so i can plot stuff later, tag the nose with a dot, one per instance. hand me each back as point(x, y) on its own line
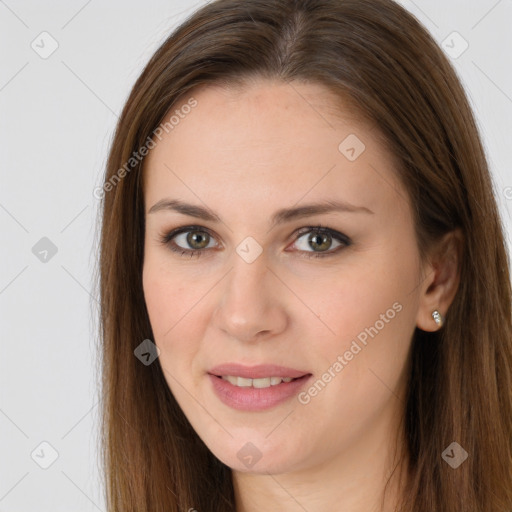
point(252, 301)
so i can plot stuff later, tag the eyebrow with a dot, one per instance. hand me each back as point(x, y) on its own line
point(279, 217)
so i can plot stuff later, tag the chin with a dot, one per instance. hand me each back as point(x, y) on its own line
point(246, 457)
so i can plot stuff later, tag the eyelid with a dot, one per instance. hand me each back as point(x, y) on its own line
point(319, 228)
point(187, 228)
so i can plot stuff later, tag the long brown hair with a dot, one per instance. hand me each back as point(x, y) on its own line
point(378, 56)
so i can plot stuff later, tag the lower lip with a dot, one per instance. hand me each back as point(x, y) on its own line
point(256, 399)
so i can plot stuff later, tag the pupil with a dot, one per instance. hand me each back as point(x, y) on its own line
point(321, 239)
point(195, 238)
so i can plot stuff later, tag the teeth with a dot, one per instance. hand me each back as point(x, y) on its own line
point(265, 382)
point(244, 383)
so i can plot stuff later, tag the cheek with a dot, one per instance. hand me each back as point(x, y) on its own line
point(161, 298)
point(370, 310)
point(169, 302)
point(355, 298)
point(168, 292)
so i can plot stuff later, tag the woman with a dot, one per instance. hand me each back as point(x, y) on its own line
point(304, 284)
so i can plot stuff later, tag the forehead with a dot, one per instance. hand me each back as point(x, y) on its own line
point(270, 142)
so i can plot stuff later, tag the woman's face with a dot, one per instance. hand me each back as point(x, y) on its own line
point(257, 285)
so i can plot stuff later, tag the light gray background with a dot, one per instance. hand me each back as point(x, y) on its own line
point(57, 117)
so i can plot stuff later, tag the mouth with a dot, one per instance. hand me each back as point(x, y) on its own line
point(256, 388)
point(260, 372)
point(261, 383)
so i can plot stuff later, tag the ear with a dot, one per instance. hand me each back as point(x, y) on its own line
point(441, 281)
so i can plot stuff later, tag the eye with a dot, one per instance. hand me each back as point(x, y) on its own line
point(194, 236)
point(320, 239)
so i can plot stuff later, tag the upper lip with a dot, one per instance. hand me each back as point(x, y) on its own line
point(256, 372)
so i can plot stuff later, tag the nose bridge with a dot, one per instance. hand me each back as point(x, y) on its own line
point(246, 283)
point(249, 303)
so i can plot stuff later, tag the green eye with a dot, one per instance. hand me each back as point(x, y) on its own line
point(322, 238)
point(198, 239)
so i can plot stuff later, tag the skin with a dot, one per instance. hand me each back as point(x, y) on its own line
point(245, 153)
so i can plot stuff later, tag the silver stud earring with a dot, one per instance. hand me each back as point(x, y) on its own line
point(438, 319)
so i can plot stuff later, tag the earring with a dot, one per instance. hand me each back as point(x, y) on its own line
point(438, 319)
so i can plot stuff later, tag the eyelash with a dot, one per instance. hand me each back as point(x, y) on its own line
point(166, 239)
